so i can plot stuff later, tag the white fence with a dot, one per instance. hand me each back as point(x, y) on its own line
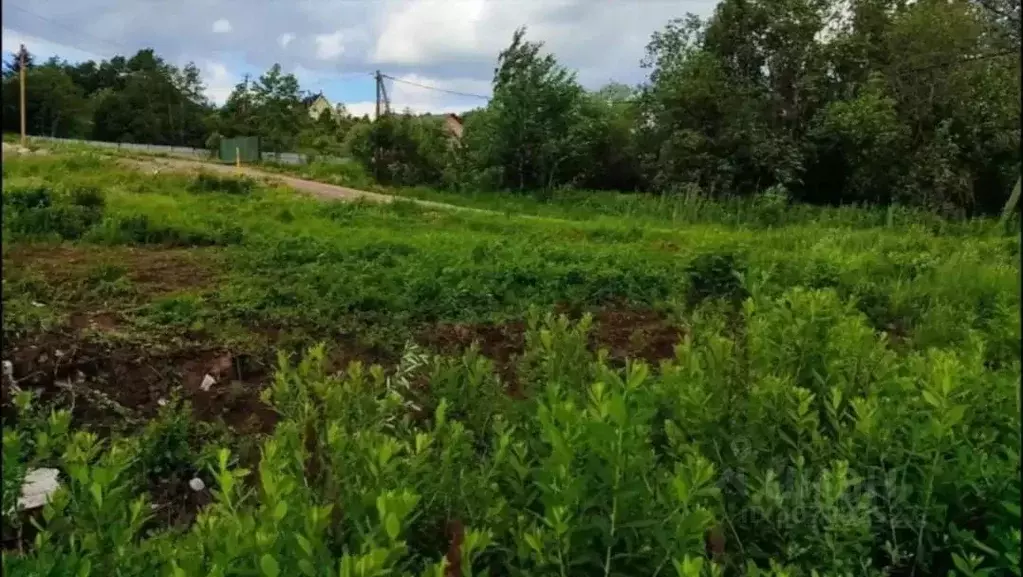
point(280, 157)
point(153, 148)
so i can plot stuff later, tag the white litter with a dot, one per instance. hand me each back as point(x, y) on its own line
point(196, 484)
point(161, 402)
point(207, 382)
point(9, 369)
point(38, 305)
point(37, 488)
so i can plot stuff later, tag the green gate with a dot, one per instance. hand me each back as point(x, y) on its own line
point(247, 147)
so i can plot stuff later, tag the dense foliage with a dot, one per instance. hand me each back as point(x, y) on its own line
point(144, 99)
point(843, 400)
point(822, 101)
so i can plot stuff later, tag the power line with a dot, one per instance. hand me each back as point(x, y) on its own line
point(445, 90)
point(119, 47)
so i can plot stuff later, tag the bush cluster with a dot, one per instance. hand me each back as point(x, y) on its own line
point(800, 446)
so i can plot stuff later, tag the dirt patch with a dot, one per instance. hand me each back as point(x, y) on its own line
point(328, 191)
point(627, 333)
point(635, 334)
point(102, 321)
point(153, 270)
point(501, 343)
point(117, 385)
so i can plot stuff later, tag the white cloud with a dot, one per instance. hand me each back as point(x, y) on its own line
point(444, 40)
point(329, 46)
point(421, 31)
point(219, 81)
point(222, 26)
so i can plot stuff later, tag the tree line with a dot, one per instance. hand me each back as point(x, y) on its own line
point(822, 101)
point(145, 99)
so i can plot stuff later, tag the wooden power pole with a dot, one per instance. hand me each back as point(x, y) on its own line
point(379, 84)
point(376, 129)
point(21, 67)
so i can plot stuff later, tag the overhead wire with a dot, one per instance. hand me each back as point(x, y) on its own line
point(436, 88)
point(116, 45)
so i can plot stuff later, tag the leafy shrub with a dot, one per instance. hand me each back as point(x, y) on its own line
point(25, 199)
point(62, 221)
point(40, 212)
point(718, 276)
point(141, 229)
point(166, 451)
point(88, 197)
point(796, 464)
point(205, 182)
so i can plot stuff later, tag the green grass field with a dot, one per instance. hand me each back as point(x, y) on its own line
point(628, 386)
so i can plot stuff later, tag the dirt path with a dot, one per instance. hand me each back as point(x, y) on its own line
point(320, 189)
point(330, 191)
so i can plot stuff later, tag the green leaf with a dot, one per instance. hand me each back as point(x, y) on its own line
point(280, 510)
point(97, 494)
point(304, 543)
point(392, 526)
point(962, 565)
point(268, 565)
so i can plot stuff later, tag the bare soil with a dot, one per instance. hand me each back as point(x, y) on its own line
point(625, 332)
point(137, 376)
point(137, 380)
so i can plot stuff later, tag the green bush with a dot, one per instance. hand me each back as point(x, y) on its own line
point(718, 276)
point(205, 182)
point(40, 212)
point(27, 199)
point(143, 230)
point(87, 197)
point(823, 454)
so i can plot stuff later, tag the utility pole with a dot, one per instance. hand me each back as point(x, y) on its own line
point(376, 129)
point(379, 84)
point(21, 61)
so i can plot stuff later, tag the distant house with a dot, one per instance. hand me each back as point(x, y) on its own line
point(452, 123)
point(454, 126)
point(317, 104)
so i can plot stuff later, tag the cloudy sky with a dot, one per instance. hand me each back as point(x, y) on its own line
point(334, 45)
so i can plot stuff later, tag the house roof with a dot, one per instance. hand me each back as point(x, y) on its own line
point(309, 100)
point(456, 117)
